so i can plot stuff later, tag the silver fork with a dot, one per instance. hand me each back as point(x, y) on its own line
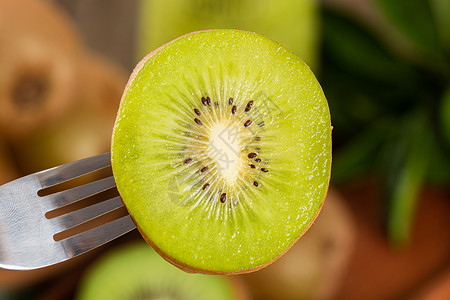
point(27, 235)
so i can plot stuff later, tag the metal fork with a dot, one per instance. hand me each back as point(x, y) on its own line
point(27, 235)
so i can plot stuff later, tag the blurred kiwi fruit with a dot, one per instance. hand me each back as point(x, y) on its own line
point(87, 130)
point(58, 99)
point(39, 66)
point(136, 271)
point(294, 23)
point(8, 170)
point(316, 264)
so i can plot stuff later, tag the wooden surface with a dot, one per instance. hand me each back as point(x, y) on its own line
point(379, 271)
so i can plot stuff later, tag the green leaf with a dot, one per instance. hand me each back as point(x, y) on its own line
point(408, 180)
point(356, 158)
point(439, 170)
point(413, 18)
point(440, 161)
point(441, 13)
point(444, 114)
point(358, 51)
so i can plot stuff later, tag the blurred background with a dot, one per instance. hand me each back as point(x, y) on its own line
point(384, 65)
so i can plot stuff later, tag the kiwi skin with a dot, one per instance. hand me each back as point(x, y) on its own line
point(42, 49)
point(39, 62)
point(181, 265)
point(89, 123)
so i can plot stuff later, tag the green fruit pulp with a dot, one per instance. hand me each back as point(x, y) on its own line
point(135, 271)
point(155, 133)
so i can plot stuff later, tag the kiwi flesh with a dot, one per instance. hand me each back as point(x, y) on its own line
point(221, 150)
point(135, 271)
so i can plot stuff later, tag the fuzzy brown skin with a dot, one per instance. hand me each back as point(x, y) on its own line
point(181, 265)
point(39, 66)
point(90, 121)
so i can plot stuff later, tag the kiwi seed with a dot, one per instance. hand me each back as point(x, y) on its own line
point(223, 197)
point(252, 155)
point(249, 106)
point(206, 100)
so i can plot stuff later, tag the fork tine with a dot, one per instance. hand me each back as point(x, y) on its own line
point(75, 194)
point(98, 236)
point(85, 214)
point(73, 170)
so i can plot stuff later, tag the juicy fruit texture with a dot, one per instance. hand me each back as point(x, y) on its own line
point(222, 150)
point(137, 272)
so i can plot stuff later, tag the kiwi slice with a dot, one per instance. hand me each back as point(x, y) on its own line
point(221, 150)
point(135, 271)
